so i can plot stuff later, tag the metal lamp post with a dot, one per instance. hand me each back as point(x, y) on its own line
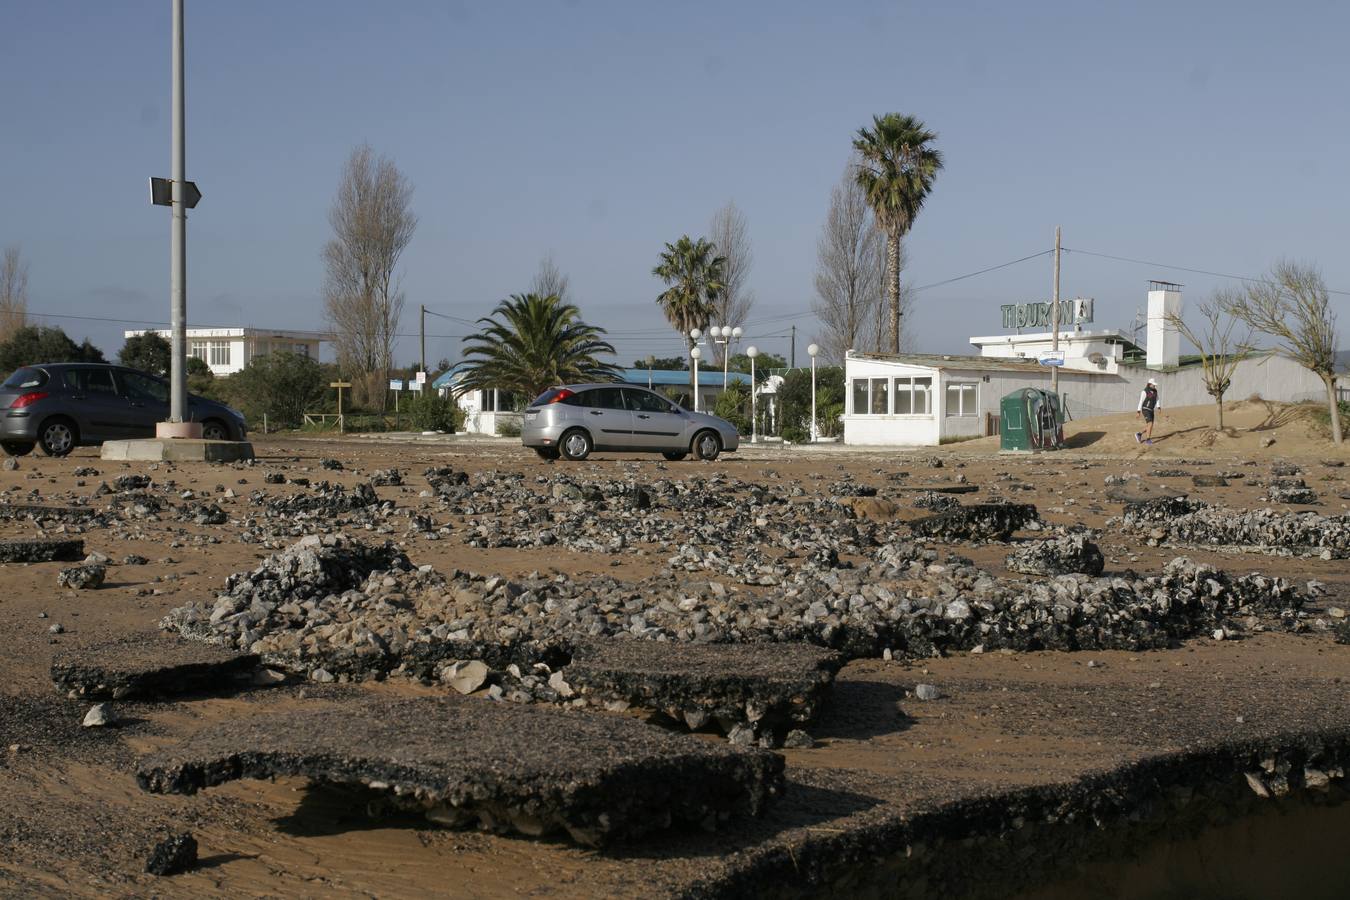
point(752, 351)
point(694, 354)
point(811, 351)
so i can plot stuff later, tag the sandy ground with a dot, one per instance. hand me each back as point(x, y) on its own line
point(74, 823)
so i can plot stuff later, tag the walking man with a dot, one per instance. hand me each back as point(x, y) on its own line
point(1148, 408)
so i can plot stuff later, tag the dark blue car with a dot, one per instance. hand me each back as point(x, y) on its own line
point(61, 406)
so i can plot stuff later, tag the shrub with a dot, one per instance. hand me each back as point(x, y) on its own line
point(284, 386)
point(794, 397)
point(733, 404)
point(34, 344)
point(148, 351)
point(429, 411)
point(508, 427)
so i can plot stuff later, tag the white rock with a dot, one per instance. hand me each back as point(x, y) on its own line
point(465, 676)
point(99, 715)
point(926, 692)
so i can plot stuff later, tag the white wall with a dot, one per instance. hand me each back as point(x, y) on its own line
point(1085, 394)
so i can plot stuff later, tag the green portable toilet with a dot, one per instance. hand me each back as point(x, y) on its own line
point(1030, 420)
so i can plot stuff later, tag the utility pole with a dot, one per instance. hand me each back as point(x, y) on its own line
point(1054, 319)
point(792, 354)
point(178, 233)
point(422, 329)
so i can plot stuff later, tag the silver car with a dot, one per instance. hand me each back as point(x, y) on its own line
point(573, 420)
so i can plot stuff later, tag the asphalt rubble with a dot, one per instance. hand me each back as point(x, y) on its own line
point(601, 779)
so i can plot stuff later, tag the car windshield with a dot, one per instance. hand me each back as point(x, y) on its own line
point(25, 379)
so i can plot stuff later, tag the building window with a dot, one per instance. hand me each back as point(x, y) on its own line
point(860, 396)
point(301, 349)
point(913, 396)
point(962, 399)
point(197, 350)
point(219, 353)
point(880, 396)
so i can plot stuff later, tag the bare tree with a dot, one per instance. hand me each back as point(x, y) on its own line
point(550, 281)
point(372, 226)
point(1220, 352)
point(1293, 306)
point(730, 234)
point(850, 261)
point(13, 292)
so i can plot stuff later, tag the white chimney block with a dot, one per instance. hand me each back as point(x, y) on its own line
point(1164, 341)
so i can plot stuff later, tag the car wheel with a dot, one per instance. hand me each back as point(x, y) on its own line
point(674, 455)
point(215, 430)
point(57, 437)
point(17, 448)
point(575, 445)
point(707, 445)
point(548, 453)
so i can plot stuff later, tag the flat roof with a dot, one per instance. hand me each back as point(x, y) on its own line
point(956, 361)
point(237, 331)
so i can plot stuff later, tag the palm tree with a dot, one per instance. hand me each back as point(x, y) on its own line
point(896, 171)
point(531, 343)
point(695, 274)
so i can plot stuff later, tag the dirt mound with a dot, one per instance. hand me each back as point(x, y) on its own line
point(1249, 428)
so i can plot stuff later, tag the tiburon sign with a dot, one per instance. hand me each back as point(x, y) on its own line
point(1037, 315)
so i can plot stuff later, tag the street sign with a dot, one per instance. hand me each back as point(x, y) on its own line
point(396, 384)
point(421, 377)
point(161, 193)
point(1051, 358)
point(415, 386)
point(340, 384)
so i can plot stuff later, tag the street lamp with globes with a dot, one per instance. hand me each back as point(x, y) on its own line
point(724, 336)
point(752, 351)
point(811, 351)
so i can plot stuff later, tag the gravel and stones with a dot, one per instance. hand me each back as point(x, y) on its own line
point(414, 621)
point(1057, 556)
point(149, 665)
point(176, 853)
point(67, 550)
point(83, 578)
point(1184, 522)
point(768, 688)
point(517, 769)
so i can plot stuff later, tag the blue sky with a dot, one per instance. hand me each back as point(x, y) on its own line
point(1206, 135)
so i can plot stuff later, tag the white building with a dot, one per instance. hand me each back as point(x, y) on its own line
point(228, 350)
point(924, 399)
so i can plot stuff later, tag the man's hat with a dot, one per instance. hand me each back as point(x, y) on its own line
point(1153, 382)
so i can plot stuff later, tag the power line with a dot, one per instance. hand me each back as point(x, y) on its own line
point(982, 271)
point(1158, 265)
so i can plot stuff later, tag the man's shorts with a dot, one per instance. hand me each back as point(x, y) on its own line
point(1148, 415)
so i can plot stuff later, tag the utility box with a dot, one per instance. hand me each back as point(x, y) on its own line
point(1031, 420)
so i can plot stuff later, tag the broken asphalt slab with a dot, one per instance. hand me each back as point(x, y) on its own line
point(763, 686)
point(40, 550)
point(510, 768)
point(150, 665)
point(976, 522)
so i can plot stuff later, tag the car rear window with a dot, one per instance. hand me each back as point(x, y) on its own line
point(25, 378)
point(555, 395)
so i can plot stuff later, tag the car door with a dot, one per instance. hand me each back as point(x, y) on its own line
point(658, 424)
point(607, 418)
point(147, 401)
point(93, 402)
